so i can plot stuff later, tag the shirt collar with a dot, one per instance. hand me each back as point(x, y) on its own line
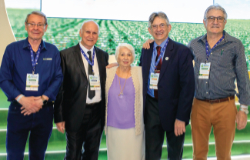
point(85, 49)
point(162, 44)
point(26, 44)
point(227, 38)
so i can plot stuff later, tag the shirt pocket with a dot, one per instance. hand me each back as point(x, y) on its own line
point(47, 62)
point(226, 58)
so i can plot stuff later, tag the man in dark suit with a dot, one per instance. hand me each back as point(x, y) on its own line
point(80, 104)
point(168, 90)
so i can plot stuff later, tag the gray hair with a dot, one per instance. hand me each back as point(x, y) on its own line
point(157, 14)
point(216, 7)
point(90, 21)
point(125, 45)
point(37, 13)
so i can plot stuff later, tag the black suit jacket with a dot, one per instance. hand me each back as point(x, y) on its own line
point(176, 83)
point(71, 99)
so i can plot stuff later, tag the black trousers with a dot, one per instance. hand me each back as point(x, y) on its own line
point(154, 134)
point(84, 144)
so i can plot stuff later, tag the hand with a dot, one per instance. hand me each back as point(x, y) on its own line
point(241, 120)
point(111, 65)
point(30, 105)
point(60, 126)
point(38, 103)
point(27, 105)
point(146, 45)
point(179, 127)
point(44, 97)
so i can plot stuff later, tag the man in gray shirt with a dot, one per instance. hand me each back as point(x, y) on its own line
point(219, 61)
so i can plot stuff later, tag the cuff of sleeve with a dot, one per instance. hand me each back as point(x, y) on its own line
point(180, 119)
point(15, 94)
point(183, 119)
point(58, 118)
point(49, 95)
point(243, 106)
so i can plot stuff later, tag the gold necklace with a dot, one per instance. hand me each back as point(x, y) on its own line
point(121, 90)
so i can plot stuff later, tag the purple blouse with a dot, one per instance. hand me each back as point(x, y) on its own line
point(121, 109)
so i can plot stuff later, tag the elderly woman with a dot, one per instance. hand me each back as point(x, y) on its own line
point(124, 108)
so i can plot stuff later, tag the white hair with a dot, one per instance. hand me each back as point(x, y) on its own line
point(216, 7)
point(125, 45)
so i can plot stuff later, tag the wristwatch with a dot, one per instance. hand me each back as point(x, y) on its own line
point(244, 110)
point(44, 101)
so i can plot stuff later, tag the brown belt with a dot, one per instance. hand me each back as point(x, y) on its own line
point(217, 100)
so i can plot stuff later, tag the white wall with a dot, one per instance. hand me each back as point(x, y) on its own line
point(6, 33)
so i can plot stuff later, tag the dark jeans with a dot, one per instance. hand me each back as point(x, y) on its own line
point(154, 134)
point(37, 127)
point(84, 144)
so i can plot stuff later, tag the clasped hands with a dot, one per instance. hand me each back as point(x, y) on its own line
point(31, 104)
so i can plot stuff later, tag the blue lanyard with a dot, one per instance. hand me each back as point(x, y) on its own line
point(207, 49)
point(162, 53)
point(87, 58)
point(34, 60)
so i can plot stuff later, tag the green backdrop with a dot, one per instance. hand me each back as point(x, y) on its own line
point(64, 33)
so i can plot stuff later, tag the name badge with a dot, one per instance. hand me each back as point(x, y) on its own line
point(32, 82)
point(204, 70)
point(154, 78)
point(47, 59)
point(94, 82)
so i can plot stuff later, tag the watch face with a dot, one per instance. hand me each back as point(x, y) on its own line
point(45, 102)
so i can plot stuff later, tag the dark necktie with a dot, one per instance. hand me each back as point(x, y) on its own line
point(90, 72)
point(158, 67)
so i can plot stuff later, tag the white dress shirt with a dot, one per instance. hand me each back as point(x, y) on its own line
point(97, 97)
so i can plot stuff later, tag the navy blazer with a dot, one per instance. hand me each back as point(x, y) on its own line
point(176, 83)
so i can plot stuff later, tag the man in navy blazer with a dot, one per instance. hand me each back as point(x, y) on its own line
point(168, 90)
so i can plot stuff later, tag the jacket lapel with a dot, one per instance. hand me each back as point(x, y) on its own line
point(79, 61)
point(167, 58)
point(149, 54)
point(100, 62)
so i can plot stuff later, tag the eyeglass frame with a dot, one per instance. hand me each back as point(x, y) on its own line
point(212, 19)
point(161, 26)
point(39, 25)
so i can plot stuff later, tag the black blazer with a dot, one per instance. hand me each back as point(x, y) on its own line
point(71, 99)
point(176, 83)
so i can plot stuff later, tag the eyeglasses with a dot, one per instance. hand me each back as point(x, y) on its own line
point(39, 25)
point(212, 19)
point(162, 25)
